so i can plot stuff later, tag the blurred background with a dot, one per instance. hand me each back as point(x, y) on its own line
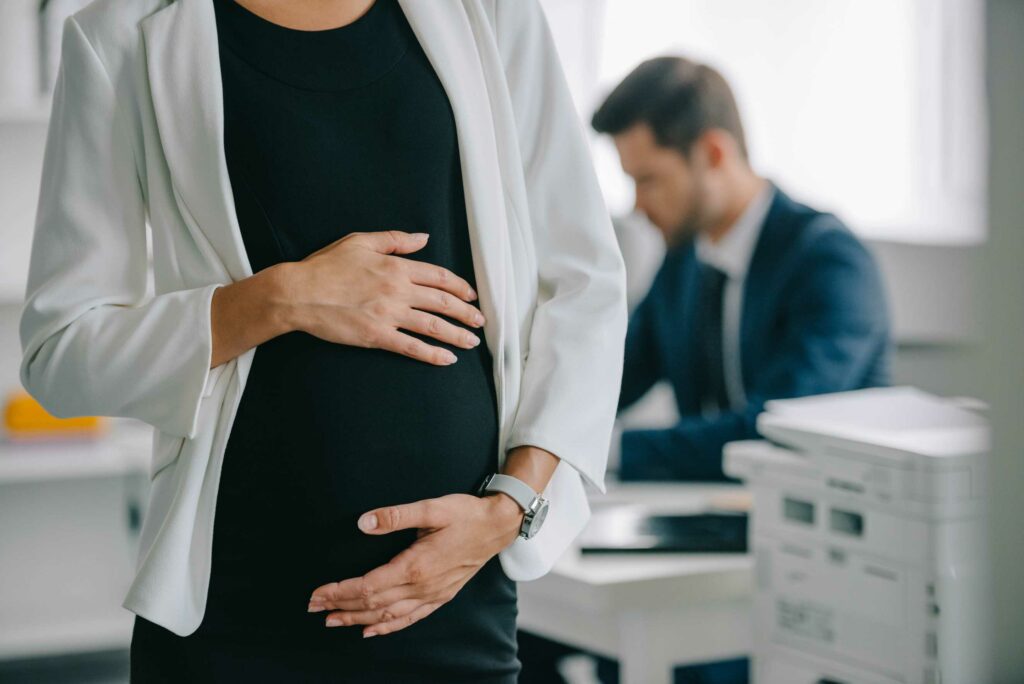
point(904, 118)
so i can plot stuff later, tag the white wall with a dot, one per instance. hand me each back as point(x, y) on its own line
point(872, 109)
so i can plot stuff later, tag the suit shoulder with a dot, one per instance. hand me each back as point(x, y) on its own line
point(829, 244)
point(819, 230)
point(815, 239)
point(806, 218)
point(827, 233)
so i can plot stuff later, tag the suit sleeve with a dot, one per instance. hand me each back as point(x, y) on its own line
point(837, 327)
point(572, 377)
point(90, 343)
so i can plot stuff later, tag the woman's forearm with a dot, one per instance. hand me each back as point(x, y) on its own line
point(531, 464)
point(249, 312)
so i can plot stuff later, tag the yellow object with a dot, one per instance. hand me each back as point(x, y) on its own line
point(24, 417)
point(740, 502)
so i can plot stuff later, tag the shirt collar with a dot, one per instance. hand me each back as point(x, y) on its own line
point(733, 252)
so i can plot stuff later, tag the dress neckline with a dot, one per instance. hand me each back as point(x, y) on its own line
point(334, 59)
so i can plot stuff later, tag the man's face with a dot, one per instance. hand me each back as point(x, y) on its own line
point(670, 190)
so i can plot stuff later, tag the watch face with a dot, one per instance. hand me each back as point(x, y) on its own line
point(537, 520)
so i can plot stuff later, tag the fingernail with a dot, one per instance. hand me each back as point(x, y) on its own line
point(368, 522)
point(473, 340)
point(479, 319)
point(472, 293)
point(421, 236)
point(369, 634)
point(333, 622)
point(315, 607)
point(451, 358)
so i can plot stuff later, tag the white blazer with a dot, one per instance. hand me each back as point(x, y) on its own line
point(136, 134)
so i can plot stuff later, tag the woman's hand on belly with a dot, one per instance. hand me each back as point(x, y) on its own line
point(359, 291)
point(457, 535)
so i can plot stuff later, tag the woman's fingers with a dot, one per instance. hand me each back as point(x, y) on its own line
point(428, 324)
point(407, 345)
point(439, 301)
point(391, 241)
point(411, 568)
point(402, 622)
point(432, 590)
point(369, 617)
point(440, 278)
point(362, 604)
point(386, 620)
point(364, 293)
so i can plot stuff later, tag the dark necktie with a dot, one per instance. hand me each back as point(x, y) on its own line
point(711, 359)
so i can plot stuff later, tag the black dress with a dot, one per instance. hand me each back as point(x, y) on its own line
point(326, 133)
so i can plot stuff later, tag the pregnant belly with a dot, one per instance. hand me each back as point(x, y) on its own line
point(325, 432)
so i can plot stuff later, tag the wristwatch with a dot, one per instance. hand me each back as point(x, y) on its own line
point(535, 507)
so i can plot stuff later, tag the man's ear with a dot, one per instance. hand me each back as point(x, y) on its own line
point(717, 146)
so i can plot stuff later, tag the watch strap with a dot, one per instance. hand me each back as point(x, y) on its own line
point(523, 493)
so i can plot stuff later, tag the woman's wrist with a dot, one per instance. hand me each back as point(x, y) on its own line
point(506, 508)
point(505, 514)
point(282, 284)
point(248, 312)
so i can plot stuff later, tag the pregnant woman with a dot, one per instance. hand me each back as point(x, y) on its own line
point(331, 135)
point(361, 520)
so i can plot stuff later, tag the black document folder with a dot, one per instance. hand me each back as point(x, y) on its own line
point(627, 530)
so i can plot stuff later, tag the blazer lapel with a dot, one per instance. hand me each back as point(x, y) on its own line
point(758, 290)
point(183, 62)
point(445, 33)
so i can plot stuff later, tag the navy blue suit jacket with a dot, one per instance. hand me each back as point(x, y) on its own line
point(814, 320)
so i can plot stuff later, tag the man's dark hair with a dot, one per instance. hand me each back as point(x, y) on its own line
point(678, 98)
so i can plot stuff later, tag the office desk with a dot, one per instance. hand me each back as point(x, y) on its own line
point(650, 611)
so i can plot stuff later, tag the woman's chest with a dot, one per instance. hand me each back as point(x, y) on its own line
point(314, 166)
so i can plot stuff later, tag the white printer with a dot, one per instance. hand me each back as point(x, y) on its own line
point(868, 533)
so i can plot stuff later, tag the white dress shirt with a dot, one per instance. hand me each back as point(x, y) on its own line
point(731, 255)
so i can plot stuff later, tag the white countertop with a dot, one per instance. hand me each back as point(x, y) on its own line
point(125, 447)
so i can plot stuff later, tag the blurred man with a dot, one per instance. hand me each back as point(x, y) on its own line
point(758, 297)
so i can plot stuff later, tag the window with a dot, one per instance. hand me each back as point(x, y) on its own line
point(870, 108)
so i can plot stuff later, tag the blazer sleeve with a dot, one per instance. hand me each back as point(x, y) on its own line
point(91, 345)
point(838, 327)
point(572, 375)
